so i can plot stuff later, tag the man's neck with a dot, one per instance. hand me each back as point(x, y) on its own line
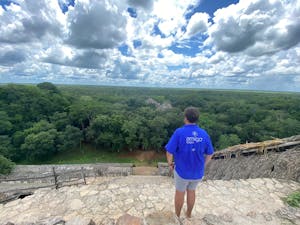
point(188, 123)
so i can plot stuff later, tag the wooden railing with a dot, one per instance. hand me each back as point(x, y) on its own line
point(55, 180)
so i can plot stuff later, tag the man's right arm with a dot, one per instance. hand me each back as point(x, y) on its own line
point(171, 148)
point(170, 160)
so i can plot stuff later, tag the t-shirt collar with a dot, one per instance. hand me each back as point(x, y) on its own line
point(188, 125)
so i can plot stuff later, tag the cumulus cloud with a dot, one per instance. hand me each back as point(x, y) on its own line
point(30, 21)
point(144, 4)
point(171, 15)
point(197, 24)
point(125, 69)
point(95, 24)
point(9, 57)
point(256, 27)
point(92, 59)
point(244, 45)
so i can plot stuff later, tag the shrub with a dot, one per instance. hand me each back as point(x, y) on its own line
point(293, 199)
point(6, 165)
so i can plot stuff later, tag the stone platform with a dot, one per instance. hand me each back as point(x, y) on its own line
point(150, 199)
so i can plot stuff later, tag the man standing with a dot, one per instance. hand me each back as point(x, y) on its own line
point(192, 149)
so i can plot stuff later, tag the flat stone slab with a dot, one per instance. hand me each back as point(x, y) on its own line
point(150, 198)
point(145, 170)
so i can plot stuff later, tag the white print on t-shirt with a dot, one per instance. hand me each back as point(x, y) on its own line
point(193, 140)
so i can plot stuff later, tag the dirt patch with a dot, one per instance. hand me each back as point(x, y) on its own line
point(144, 155)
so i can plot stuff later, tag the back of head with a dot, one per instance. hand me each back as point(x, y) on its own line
point(191, 114)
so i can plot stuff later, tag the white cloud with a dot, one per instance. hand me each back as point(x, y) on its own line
point(95, 24)
point(10, 56)
point(197, 24)
point(144, 4)
point(171, 14)
point(250, 44)
point(256, 27)
point(125, 68)
point(63, 55)
point(30, 21)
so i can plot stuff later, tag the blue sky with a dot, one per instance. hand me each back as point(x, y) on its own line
point(246, 44)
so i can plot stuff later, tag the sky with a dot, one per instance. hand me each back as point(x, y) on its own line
point(219, 44)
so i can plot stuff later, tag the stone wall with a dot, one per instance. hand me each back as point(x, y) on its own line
point(283, 165)
point(97, 169)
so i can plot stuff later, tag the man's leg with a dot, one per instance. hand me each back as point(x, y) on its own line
point(179, 199)
point(190, 200)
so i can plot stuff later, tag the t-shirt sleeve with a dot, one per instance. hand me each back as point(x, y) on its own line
point(209, 147)
point(172, 145)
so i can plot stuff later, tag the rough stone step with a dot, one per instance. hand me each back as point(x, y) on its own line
point(149, 200)
point(145, 170)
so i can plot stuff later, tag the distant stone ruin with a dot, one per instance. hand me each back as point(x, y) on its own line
point(162, 107)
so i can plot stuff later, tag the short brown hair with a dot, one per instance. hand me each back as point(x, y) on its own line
point(191, 114)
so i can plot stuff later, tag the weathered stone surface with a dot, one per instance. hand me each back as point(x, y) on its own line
point(80, 221)
point(158, 218)
point(151, 198)
point(53, 221)
point(281, 165)
point(163, 169)
point(61, 222)
point(227, 217)
point(129, 220)
point(211, 219)
point(76, 204)
point(290, 214)
point(108, 221)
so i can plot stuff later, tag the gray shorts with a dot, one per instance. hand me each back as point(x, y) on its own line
point(183, 184)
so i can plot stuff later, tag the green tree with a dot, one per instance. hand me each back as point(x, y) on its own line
point(38, 127)
point(6, 165)
point(107, 131)
point(40, 141)
point(130, 130)
point(48, 86)
point(158, 133)
point(6, 148)
point(227, 140)
point(41, 145)
point(5, 124)
point(70, 138)
point(60, 120)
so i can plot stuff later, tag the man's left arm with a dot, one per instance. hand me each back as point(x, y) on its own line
point(209, 151)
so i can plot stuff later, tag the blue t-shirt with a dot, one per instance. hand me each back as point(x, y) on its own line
point(189, 145)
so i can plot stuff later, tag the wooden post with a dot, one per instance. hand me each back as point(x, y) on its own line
point(55, 178)
point(83, 175)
